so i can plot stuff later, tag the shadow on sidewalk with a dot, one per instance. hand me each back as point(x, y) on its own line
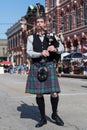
point(84, 86)
point(30, 112)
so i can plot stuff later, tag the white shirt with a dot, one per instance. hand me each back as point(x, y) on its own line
point(32, 54)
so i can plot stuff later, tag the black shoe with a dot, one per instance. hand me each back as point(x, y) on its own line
point(58, 120)
point(41, 123)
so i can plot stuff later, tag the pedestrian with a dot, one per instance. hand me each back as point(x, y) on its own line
point(42, 53)
point(24, 68)
point(20, 67)
point(60, 68)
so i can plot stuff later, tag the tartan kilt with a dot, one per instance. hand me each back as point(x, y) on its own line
point(34, 86)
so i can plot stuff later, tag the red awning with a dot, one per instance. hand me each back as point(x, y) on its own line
point(5, 63)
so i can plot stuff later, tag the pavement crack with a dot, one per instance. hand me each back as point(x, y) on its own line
point(76, 127)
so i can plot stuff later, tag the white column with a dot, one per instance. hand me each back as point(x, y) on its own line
point(12, 58)
point(57, 2)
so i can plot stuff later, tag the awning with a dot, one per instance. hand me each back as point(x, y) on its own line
point(5, 63)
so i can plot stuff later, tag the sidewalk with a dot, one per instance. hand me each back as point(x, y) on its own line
point(74, 76)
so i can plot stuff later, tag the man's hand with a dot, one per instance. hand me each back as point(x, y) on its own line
point(45, 53)
point(52, 49)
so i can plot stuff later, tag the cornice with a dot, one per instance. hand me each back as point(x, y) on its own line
point(76, 31)
point(15, 28)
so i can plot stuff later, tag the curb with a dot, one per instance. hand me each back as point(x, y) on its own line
point(74, 76)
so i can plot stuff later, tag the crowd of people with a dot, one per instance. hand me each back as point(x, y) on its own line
point(61, 68)
point(19, 69)
point(74, 68)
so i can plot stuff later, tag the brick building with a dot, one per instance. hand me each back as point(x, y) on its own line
point(66, 16)
point(70, 18)
point(17, 42)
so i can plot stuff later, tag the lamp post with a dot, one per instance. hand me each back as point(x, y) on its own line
point(28, 24)
point(25, 23)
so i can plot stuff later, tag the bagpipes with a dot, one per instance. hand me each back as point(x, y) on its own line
point(54, 40)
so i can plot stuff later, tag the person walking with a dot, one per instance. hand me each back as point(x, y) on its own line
point(42, 78)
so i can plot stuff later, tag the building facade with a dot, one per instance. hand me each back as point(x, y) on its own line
point(70, 18)
point(3, 49)
point(16, 36)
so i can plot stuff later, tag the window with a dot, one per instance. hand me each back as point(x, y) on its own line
point(76, 16)
point(62, 23)
point(84, 13)
point(3, 51)
point(54, 24)
point(50, 4)
point(54, 3)
point(69, 19)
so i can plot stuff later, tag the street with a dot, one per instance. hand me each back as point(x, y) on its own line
point(19, 111)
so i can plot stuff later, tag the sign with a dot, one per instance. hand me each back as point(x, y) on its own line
point(1, 70)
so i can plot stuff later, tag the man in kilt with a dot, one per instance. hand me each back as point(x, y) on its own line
point(39, 48)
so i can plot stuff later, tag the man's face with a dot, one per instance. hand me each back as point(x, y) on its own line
point(40, 23)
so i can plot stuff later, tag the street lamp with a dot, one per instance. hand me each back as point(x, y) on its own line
point(25, 23)
point(31, 25)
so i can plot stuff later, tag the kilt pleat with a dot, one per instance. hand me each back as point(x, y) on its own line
point(34, 86)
